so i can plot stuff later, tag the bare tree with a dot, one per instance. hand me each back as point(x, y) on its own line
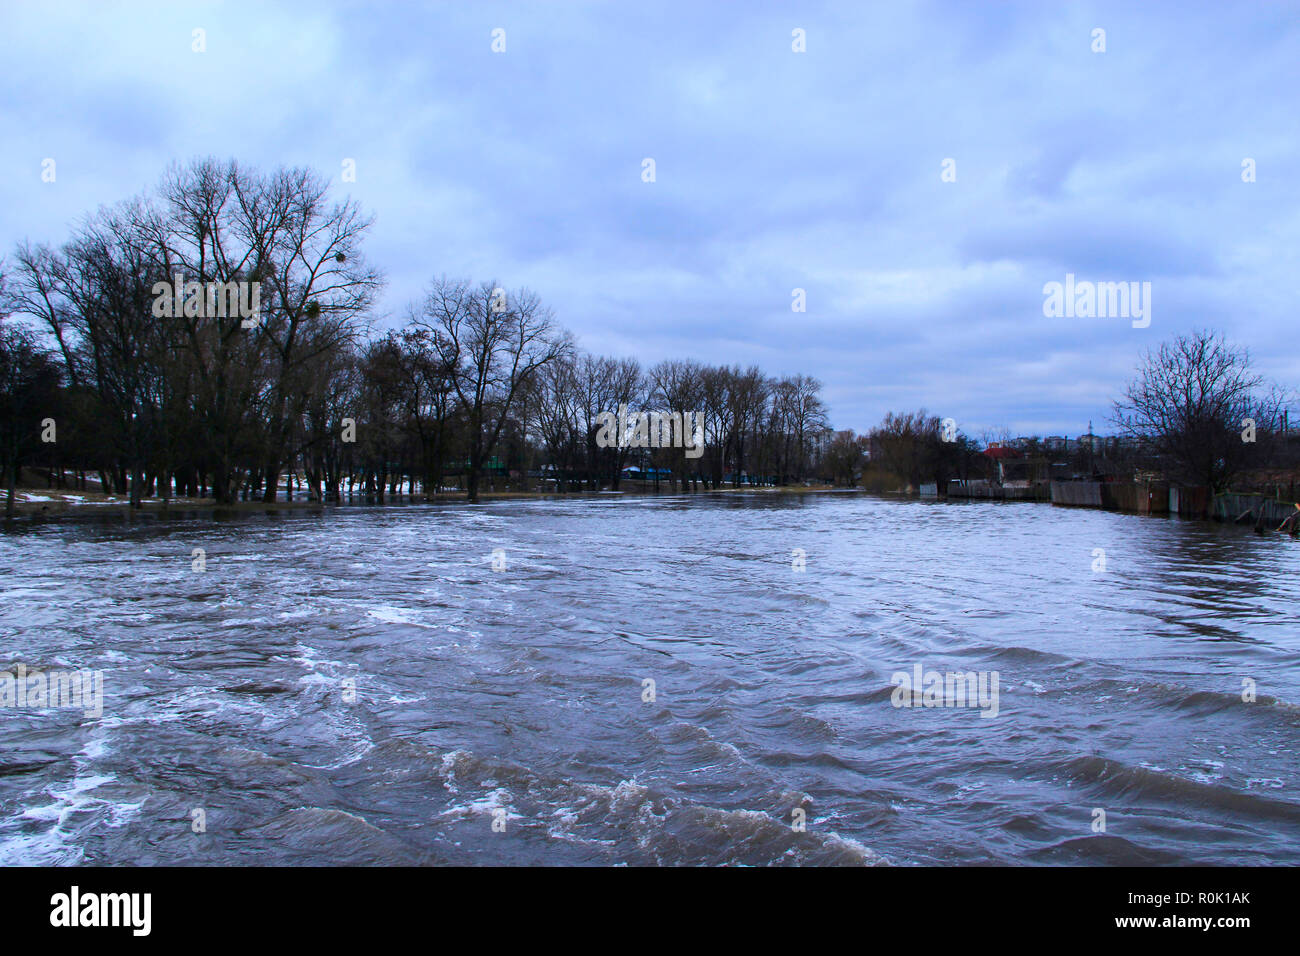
point(719, 420)
point(557, 416)
point(94, 296)
point(1193, 402)
point(229, 223)
point(905, 444)
point(427, 390)
point(611, 383)
point(749, 392)
point(496, 342)
point(676, 385)
point(29, 380)
point(845, 456)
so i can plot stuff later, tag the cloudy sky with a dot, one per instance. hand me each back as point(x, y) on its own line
point(774, 170)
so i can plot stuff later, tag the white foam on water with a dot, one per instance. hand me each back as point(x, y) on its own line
point(867, 855)
point(314, 658)
point(449, 763)
point(396, 615)
point(495, 800)
point(58, 844)
point(358, 747)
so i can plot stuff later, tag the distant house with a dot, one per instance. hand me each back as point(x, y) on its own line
point(997, 451)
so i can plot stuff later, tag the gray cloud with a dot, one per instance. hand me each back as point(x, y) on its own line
point(775, 170)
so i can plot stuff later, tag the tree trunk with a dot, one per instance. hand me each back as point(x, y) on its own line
point(9, 496)
point(272, 480)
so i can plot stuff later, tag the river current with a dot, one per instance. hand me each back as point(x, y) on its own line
point(653, 680)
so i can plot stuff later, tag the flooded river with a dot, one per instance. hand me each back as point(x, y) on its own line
point(630, 680)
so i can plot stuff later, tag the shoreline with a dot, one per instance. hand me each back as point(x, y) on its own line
point(47, 503)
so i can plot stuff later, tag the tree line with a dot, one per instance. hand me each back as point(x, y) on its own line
point(1196, 412)
point(107, 379)
point(140, 366)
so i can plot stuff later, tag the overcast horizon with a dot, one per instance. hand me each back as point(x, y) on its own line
point(775, 170)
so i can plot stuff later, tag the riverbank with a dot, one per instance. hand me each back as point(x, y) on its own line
point(1156, 497)
point(1142, 497)
point(49, 502)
